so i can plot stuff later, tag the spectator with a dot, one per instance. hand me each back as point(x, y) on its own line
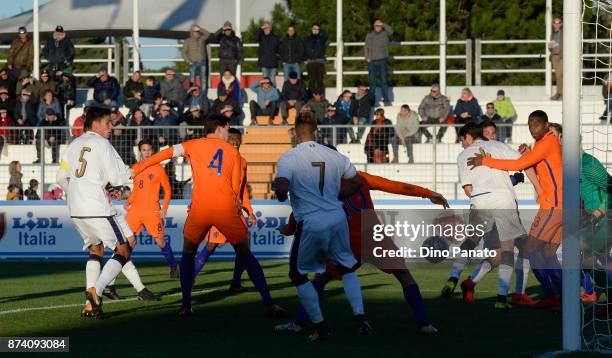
point(489, 130)
point(606, 93)
point(434, 109)
point(194, 54)
point(47, 83)
point(49, 101)
point(137, 119)
point(196, 98)
point(406, 130)
point(156, 107)
point(21, 53)
point(55, 193)
point(377, 142)
point(52, 137)
point(133, 91)
point(31, 192)
point(327, 132)
point(505, 109)
point(6, 102)
point(268, 51)
point(318, 106)
point(266, 100)
point(314, 57)
point(66, 90)
point(27, 82)
point(291, 52)
point(230, 48)
point(59, 51)
point(78, 126)
point(25, 116)
point(364, 99)
point(8, 81)
point(7, 136)
point(293, 95)
point(223, 101)
point(467, 109)
point(106, 88)
point(555, 45)
point(195, 121)
point(167, 118)
point(377, 55)
point(490, 115)
point(228, 111)
point(172, 89)
point(13, 193)
point(122, 137)
point(230, 84)
point(345, 111)
point(151, 91)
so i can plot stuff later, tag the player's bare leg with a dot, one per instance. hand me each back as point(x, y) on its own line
point(93, 267)
point(187, 275)
point(256, 274)
point(168, 255)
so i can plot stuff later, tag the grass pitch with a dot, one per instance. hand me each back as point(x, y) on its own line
point(39, 298)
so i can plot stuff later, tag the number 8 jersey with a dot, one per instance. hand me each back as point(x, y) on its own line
point(314, 173)
point(89, 163)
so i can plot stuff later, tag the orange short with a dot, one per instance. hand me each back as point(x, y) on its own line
point(547, 226)
point(199, 223)
point(151, 220)
point(215, 236)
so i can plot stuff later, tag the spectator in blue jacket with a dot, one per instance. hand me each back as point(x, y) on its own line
point(166, 117)
point(345, 111)
point(106, 88)
point(48, 101)
point(266, 99)
point(467, 109)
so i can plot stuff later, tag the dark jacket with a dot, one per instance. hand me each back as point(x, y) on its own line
point(364, 105)
point(132, 87)
point(198, 132)
point(9, 105)
point(66, 91)
point(291, 49)
point(57, 52)
point(233, 91)
point(297, 91)
point(31, 109)
point(341, 114)
point(314, 46)
point(59, 134)
point(268, 49)
point(104, 90)
point(230, 47)
point(21, 54)
point(201, 101)
point(150, 92)
point(217, 106)
point(9, 83)
point(472, 107)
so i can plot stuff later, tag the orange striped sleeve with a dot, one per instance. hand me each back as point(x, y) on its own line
point(157, 158)
point(529, 159)
point(395, 187)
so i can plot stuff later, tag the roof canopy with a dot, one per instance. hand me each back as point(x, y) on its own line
point(157, 18)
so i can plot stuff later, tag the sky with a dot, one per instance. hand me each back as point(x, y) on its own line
point(13, 7)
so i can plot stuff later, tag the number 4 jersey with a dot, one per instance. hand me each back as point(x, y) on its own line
point(90, 163)
point(314, 173)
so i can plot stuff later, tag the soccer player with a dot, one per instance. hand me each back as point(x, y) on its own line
point(492, 202)
point(354, 207)
point(312, 173)
point(545, 234)
point(143, 204)
point(214, 238)
point(217, 180)
point(88, 165)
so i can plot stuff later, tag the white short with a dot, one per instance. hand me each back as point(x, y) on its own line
point(499, 212)
point(321, 237)
point(102, 230)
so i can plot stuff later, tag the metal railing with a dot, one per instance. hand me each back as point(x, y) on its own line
point(433, 163)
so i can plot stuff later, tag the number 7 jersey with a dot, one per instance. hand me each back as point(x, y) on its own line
point(90, 163)
point(314, 173)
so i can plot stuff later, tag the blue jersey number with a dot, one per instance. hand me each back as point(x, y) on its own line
point(217, 161)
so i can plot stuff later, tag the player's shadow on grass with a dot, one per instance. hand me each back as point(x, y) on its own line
point(46, 294)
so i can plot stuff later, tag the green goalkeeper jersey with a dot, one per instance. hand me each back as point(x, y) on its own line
point(594, 184)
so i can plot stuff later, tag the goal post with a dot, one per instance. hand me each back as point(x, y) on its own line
point(572, 63)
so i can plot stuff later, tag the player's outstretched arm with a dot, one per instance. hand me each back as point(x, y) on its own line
point(351, 187)
point(395, 187)
point(529, 159)
point(533, 178)
point(168, 153)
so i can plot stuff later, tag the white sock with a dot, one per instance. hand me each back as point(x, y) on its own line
point(310, 300)
point(92, 272)
point(130, 272)
point(109, 272)
point(504, 277)
point(521, 271)
point(458, 267)
point(352, 290)
point(484, 269)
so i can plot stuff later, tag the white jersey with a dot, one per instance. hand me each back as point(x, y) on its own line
point(89, 163)
point(314, 173)
point(487, 181)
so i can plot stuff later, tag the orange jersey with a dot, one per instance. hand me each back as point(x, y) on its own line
point(546, 156)
point(145, 194)
point(215, 168)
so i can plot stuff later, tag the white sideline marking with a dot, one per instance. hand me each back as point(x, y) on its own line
point(107, 302)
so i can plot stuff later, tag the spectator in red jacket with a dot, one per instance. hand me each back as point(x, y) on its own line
point(6, 135)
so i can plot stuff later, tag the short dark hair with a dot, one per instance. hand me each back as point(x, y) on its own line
point(379, 110)
point(33, 183)
point(152, 78)
point(486, 124)
point(472, 129)
point(539, 116)
point(406, 107)
point(94, 114)
point(556, 126)
point(213, 122)
point(144, 142)
point(306, 122)
point(235, 131)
